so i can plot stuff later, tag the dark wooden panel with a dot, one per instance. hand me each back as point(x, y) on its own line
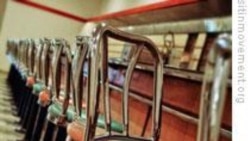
point(181, 94)
point(137, 112)
point(175, 129)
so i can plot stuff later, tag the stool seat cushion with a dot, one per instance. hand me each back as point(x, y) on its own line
point(37, 88)
point(55, 110)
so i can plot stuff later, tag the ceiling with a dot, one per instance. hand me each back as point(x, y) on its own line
point(159, 12)
point(202, 9)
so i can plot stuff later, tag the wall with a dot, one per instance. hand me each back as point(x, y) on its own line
point(109, 6)
point(82, 8)
point(21, 21)
point(2, 10)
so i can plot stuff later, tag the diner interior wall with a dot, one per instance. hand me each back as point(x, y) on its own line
point(109, 6)
point(22, 21)
point(81, 8)
point(2, 11)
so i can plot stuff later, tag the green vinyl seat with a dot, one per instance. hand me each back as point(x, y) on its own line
point(37, 88)
point(55, 110)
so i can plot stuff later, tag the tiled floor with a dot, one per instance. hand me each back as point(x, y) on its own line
point(7, 113)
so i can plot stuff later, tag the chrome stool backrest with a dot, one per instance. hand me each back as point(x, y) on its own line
point(80, 57)
point(57, 110)
point(44, 73)
point(214, 89)
point(98, 61)
point(31, 62)
point(76, 128)
point(19, 58)
point(46, 63)
point(31, 56)
point(23, 57)
point(38, 59)
point(38, 86)
point(62, 52)
point(11, 50)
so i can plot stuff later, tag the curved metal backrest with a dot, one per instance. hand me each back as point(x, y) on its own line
point(14, 50)
point(99, 57)
point(38, 67)
point(214, 89)
point(19, 53)
point(23, 53)
point(23, 57)
point(56, 78)
point(82, 46)
point(11, 50)
point(10, 47)
point(62, 50)
point(31, 56)
point(45, 61)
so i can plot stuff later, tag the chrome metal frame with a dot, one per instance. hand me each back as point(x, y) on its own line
point(61, 47)
point(46, 71)
point(98, 63)
point(38, 55)
point(23, 57)
point(80, 56)
point(11, 50)
point(31, 57)
point(45, 74)
point(214, 89)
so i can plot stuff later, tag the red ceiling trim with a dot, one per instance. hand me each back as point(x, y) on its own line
point(140, 9)
point(53, 10)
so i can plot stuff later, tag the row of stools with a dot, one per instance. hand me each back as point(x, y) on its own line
point(48, 86)
point(57, 102)
point(26, 83)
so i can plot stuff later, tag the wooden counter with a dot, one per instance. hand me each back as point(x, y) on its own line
point(181, 101)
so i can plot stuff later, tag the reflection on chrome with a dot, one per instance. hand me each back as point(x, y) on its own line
point(214, 89)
